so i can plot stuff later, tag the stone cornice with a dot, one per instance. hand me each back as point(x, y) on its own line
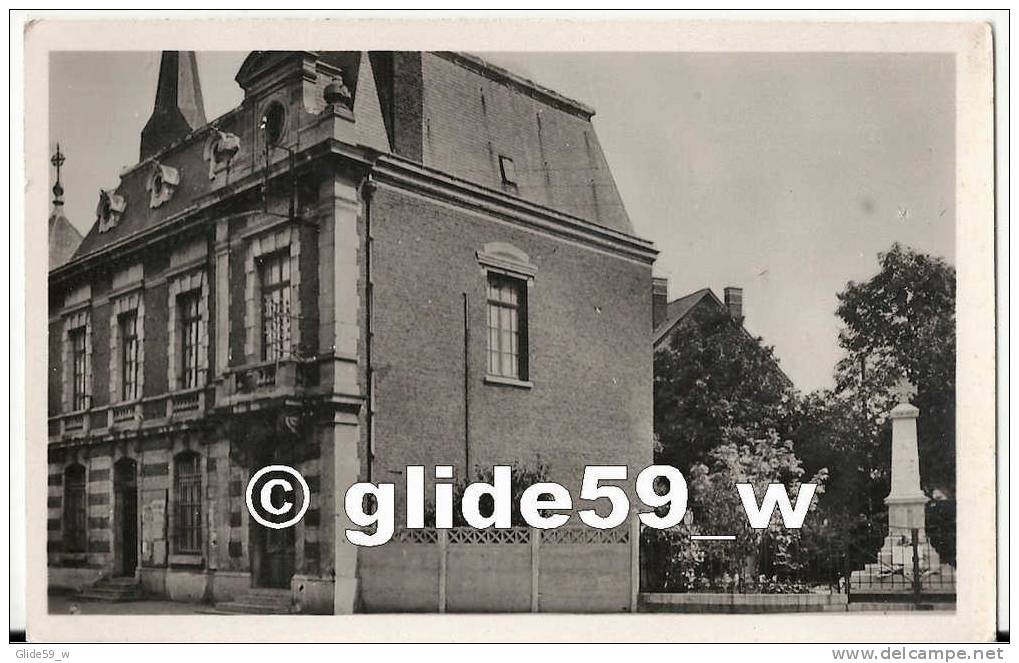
point(412, 176)
point(394, 171)
point(185, 218)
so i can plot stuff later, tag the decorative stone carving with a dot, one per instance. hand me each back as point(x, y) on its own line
point(507, 259)
point(337, 93)
point(109, 210)
point(162, 182)
point(220, 149)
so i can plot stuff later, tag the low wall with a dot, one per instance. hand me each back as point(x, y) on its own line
point(704, 602)
point(514, 570)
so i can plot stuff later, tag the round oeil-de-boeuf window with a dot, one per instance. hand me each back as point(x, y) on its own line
point(274, 122)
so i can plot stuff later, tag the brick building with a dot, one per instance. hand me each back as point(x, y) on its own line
point(376, 260)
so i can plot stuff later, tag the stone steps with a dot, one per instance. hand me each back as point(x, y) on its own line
point(113, 590)
point(259, 601)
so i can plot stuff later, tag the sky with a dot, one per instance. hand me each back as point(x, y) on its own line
point(784, 174)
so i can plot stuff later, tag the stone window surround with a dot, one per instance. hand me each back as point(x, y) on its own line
point(125, 303)
point(178, 284)
point(267, 242)
point(506, 259)
point(76, 319)
point(183, 445)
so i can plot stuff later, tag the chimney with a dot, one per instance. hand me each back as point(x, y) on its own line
point(659, 300)
point(178, 109)
point(734, 302)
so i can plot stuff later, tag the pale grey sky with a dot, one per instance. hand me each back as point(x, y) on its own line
point(785, 174)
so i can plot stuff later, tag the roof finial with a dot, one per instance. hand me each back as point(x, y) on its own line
point(58, 160)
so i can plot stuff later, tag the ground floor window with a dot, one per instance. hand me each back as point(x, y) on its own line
point(75, 509)
point(187, 483)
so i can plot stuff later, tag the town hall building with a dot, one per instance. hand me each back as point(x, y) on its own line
point(376, 260)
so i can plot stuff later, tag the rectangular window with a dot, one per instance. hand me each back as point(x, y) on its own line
point(507, 170)
point(75, 509)
point(187, 480)
point(507, 327)
point(128, 325)
point(79, 376)
point(274, 272)
point(187, 307)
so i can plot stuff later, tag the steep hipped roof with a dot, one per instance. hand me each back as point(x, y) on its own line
point(468, 117)
point(476, 115)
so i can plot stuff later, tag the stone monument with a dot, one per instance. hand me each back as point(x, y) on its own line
point(895, 570)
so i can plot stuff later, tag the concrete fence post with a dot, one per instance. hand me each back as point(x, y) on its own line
point(634, 561)
point(443, 548)
point(535, 562)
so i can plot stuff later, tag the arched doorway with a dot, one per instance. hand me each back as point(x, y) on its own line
point(125, 525)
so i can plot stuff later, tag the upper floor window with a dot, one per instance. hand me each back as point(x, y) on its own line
point(190, 317)
point(79, 369)
point(128, 328)
point(75, 509)
point(507, 170)
point(274, 275)
point(187, 489)
point(507, 326)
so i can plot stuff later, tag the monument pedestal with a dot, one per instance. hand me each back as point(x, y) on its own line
point(902, 562)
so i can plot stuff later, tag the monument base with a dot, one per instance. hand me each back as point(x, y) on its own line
point(894, 570)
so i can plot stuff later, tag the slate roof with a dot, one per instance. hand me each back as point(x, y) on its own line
point(580, 183)
point(679, 308)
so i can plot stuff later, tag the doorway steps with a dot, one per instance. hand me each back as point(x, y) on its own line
point(259, 601)
point(113, 590)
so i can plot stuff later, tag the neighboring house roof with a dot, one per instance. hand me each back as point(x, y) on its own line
point(679, 309)
point(63, 238)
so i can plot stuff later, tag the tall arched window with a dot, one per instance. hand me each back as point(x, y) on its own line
point(187, 490)
point(75, 509)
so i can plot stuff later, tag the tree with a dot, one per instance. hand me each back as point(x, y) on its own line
point(831, 432)
point(901, 322)
point(766, 560)
point(712, 378)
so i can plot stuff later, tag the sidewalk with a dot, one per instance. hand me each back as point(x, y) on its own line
point(61, 605)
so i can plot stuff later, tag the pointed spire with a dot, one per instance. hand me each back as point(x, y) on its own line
point(178, 108)
point(63, 237)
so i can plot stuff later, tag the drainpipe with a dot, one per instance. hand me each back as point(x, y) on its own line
point(467, 402)
point(367, 189)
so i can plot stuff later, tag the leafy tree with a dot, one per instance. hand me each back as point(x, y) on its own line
point(901, 322)
point(712, 378)
point(718, 508)
point(759, 560)
point(831, 432)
